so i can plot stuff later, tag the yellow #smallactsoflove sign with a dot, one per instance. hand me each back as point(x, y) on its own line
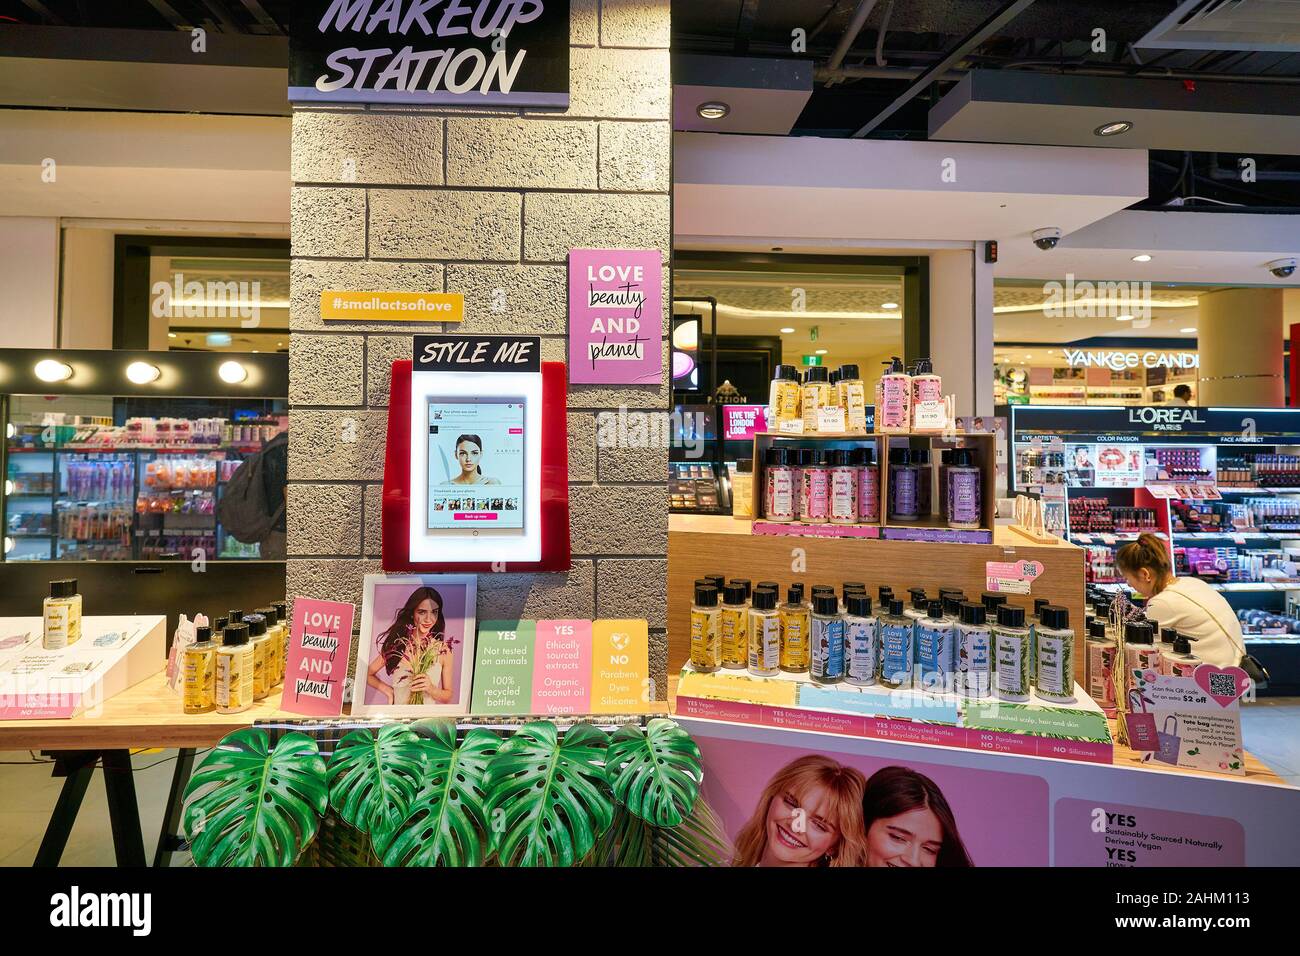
point(393, 306)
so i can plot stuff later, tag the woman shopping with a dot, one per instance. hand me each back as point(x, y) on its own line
point(1187, 604)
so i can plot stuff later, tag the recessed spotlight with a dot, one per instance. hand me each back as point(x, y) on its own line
point(171, 335)
point(712, 110)
point(232, 372)
point(1123, 318)
point(1113, 129)
point(787, 330)
point(1142, 257)
point(821, 351)
point(142, 373)
point(48, 370)
point(1187, 331)
point(889, 305)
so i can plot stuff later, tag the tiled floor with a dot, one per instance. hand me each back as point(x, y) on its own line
point(1271, 728)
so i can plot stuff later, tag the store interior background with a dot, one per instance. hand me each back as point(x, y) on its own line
point(775, 197)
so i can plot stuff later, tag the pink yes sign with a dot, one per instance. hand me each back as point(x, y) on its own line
point(615, 316)
point(319, 645)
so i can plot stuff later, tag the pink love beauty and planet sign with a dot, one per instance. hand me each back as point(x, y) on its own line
point(615, 316)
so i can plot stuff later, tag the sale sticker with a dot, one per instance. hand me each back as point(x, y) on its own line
point(1011, 577)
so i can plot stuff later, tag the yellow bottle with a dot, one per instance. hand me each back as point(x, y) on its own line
point(263, 648)
point(62, 615)
point(706, 651)
point(282, 615)
point(275, 631)
point(199, 672)
point(796, 621)
point(234, 689)
point(733, 627)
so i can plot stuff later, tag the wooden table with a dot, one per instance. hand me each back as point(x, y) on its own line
point(144, 716)
point(147, 715)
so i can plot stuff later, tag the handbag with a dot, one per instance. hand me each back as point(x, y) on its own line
point(1169, 742)
point(1249, 663)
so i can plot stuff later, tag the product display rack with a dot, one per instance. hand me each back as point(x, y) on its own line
point(142, 531)
point(931, 526)
point(1234, 457)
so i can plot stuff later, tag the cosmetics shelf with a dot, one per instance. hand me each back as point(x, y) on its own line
point(1066, 731)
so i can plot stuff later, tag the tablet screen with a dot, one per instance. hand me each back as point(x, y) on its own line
point(476, 465)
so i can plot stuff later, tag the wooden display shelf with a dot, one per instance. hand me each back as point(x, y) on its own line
point(983, 447)
point(700, 545)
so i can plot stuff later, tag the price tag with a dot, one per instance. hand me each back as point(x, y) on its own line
point(830, 418)
point(791, 426)
point(929, 416)
point(1108, 539)
point(1238, 539)
point(1085, 538)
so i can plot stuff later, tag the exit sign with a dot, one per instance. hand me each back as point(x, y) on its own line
point(812, 360)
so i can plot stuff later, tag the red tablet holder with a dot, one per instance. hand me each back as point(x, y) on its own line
point(396, 541)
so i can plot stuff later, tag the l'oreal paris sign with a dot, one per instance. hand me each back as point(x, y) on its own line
point(1119, 361)
point(429, 52)
point(1165, 419)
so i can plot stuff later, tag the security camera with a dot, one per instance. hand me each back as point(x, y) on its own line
point(1047, 238)
point(1282, 268)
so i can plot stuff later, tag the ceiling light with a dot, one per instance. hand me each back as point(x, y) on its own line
point(171, 335)
point(821, 352)
point(142, 373)
point(232, 372)
point(1142, 257)
point(1187, 331)
point(1124, 318)
point(712, 110)
point(889, 305)
point(787, 330)
point(48, 370)
point(1113, 129)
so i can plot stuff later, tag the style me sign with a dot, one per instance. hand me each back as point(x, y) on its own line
point(1118, 361)
point(430, 52)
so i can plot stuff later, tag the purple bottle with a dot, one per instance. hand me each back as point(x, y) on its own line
point(964, 493)
point(903, 492)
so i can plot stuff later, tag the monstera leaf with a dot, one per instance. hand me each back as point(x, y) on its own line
point(373, 779)
point(248, 804)
point(547, 797)
point(698, 841)
point(447, 824)
point(655, 773)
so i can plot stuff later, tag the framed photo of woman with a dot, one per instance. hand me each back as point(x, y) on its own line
point(416, 653)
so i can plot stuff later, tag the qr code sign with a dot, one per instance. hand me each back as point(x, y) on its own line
point(1223, 685)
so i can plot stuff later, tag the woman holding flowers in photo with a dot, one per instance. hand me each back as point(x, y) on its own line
point(415, 654)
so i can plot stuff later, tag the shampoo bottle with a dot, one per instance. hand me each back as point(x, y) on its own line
point(827, 665)
point(894, 399)
point(764, 634)
point(936, 650)
point(733, 627)
point(199, 672)
point(1011, 654)
point(1055, 640)
point(796, 621)
point(862, 640)
point(706, 650)
point(897, 647)
point(974, 652)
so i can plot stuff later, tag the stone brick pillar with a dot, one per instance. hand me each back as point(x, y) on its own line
point(488, 204)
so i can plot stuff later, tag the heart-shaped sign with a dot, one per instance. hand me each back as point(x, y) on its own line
point(620, 640)
point(1222, 684)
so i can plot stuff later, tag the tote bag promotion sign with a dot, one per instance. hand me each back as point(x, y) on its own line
point(615, 316)
point(512, 53)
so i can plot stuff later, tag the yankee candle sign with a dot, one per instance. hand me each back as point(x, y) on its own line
point(462, 52)
point(615, 316)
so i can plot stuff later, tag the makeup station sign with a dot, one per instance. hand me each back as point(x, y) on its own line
point(492, 53)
